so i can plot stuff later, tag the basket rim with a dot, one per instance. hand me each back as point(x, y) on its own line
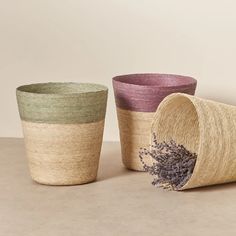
point(126, 79)
point(28, 90)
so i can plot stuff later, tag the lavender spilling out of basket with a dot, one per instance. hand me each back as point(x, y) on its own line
point(172, 164)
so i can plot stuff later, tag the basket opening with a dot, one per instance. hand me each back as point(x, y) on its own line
point(61, 88)
point(177, 119)
point(157, 80)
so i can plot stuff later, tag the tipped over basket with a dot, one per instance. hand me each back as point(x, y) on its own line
point(204, 127)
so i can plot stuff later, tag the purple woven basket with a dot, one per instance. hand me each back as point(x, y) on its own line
point(137, 98)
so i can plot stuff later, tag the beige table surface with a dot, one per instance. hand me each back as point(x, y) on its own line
point(121, 202)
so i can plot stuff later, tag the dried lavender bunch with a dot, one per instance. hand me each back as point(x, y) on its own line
point(173, 164)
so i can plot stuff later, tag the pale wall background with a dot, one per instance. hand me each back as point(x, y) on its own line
point(91, 41)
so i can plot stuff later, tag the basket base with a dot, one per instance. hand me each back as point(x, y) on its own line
point(135, 130)
point(69, 183)
point(63, 154)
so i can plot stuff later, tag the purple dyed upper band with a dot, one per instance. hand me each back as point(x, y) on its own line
point(144, 92)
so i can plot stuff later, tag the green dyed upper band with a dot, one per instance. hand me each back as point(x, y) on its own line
point(62, 103)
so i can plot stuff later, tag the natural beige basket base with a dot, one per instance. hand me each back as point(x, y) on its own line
point(205, 127)
point(63, 154)
point(135, 130)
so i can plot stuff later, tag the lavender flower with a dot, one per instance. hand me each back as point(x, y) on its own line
point(172, 164)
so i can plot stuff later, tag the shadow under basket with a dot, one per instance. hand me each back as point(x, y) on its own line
point(204, 127)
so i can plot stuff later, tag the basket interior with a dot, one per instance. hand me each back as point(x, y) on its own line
point(61, 88)
point(158, 80)
point(177, 119)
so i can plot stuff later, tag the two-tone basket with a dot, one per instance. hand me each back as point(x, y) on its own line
point(137, 98)
point(63, 128)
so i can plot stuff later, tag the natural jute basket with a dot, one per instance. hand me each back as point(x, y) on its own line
point(137, 98)
point(204, 127)
point(63, 129)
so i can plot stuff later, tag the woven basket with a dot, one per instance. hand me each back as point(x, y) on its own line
point(205, 127)
point(63, 129)
point(137, 98)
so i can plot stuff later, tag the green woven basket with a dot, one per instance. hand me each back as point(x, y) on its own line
point(63, 127)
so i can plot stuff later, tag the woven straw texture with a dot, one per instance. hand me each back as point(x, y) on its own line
point(63, 154)
point(62, 103)
point(144, 92)
point(204, 127)
point(137, 98)
point(134, 130)
point(63, 129)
